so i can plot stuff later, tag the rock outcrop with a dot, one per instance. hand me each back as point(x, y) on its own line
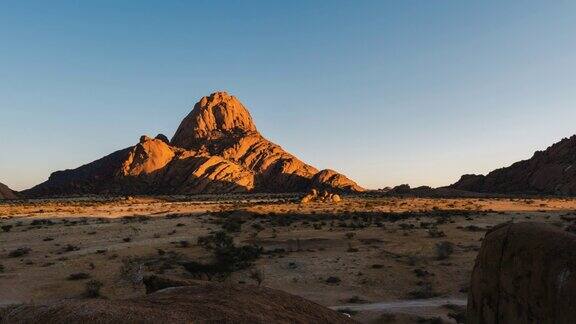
point(316, 196)
point(549, 172)
point(216, 118)
point(6, 193)
point(524, 273)
point(331, 180)
point(216, 149)
point(203, 302)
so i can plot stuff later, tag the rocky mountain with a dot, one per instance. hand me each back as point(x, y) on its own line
point(216, 149)
point(551, 172)
point(6, 193)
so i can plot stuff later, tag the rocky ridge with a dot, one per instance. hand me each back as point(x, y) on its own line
point(549, 172)
point(6, 193)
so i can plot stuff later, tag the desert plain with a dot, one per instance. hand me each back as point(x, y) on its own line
point(377, 258)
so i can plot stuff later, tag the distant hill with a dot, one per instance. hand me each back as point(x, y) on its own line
point(216, 149)
point(549, 172)
point(6, 193)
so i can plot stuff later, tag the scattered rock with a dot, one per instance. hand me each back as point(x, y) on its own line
point(315, 196)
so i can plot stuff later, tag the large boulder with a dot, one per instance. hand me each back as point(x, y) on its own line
point(524, 273)
point(203, 302)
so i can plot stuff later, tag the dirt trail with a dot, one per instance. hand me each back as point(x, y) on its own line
point(415, 307)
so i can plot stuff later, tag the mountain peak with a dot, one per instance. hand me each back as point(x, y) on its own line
point(214, 117)
point(216, 149)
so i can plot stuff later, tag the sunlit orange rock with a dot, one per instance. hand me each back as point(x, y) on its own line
point(216, 149)
point(146, 157)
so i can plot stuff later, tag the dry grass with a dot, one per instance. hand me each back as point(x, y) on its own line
point(379, 249)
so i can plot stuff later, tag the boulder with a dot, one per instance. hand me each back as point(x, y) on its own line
point(197, 302)
point(325, 196)
point(524, 273)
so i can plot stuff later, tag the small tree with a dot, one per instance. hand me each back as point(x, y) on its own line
point(444, 249)
point(93, 288)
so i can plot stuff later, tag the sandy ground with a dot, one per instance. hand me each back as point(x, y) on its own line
point(363, 251)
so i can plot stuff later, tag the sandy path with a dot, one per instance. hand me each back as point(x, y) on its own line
point(414, 307)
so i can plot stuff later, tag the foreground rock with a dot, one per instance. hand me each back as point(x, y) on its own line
point(216, 149)
point(552, 172)
point(524, 273)
point(204, 302)
point(6, 193)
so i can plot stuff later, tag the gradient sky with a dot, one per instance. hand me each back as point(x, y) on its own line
point(387, 92)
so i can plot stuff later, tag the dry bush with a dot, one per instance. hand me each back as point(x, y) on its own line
point(257, 275)
point(92, 289)
point(444, 249)
point(132, 271)
point(78, 276)
point(22, 251)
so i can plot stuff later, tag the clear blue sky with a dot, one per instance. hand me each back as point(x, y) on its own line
point(387, 92)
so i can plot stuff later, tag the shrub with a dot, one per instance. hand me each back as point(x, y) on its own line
point(227, 256)
point(132, 270)
point(6, 228)
point(257, 275)
point(424, 292)
point(232, 225)
point(333, 280)
point(70, 248)
point(435, 233)
point(444, 249)
point(78, 276)
point(19, 252)
point(92, 289)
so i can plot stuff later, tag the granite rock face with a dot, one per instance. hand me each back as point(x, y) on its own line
point(216, 149)
point(524, 273)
